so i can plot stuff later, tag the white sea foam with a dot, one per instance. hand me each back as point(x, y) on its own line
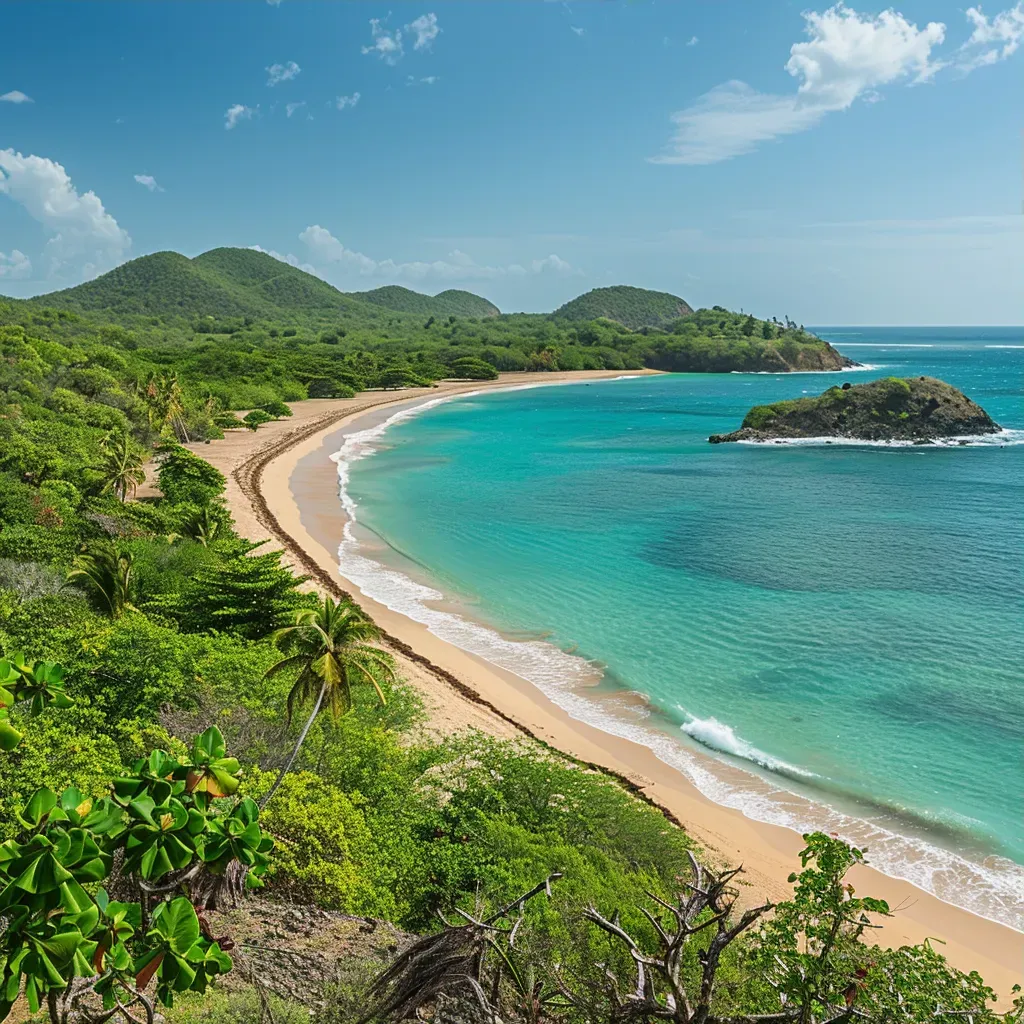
point(1004, 346)
point(884, 344)
point(990, 889)
point(859, 368)
point(718, 736)
point(1000, 439)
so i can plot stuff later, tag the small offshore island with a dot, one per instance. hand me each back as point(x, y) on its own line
point(918, 409)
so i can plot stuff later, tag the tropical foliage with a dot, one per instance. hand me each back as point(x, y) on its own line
point(161, 832)
point(330, 647)
point(234, 329)
point(137, 623)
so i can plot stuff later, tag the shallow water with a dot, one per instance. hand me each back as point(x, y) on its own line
point(844, 622)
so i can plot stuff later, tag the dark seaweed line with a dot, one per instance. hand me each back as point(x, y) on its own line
point(249, 476)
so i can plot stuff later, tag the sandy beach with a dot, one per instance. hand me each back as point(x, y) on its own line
point(282, 487)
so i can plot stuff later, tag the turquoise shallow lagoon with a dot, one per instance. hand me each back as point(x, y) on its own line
point(842, 623)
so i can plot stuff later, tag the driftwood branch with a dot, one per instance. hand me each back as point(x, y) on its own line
point(450, 963)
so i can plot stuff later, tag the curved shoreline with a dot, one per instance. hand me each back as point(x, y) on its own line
point(275, 485)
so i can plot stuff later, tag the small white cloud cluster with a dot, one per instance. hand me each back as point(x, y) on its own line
point(426, 30)
point(290, 259)
point(278, 73)
point(847, 56)
point(148, 181)
point(993, 39)
point(15, 96)
point(238, 112)
point(84, 240)
point(388, 45)
point(15, 266)
point(343, 102)
point(290, 108)
point(324, 248)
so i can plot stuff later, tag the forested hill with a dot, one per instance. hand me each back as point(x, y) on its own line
point(245, 329)
point(453, 302)
point(632, 307)
point(245, 283)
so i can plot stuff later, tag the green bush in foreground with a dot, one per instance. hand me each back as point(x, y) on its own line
point(161, 834)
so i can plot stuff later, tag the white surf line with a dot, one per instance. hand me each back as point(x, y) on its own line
point(944, 874)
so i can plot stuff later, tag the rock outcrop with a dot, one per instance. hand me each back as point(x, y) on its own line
point(891, 409)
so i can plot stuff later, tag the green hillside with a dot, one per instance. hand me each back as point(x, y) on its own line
point(272, 285)
point(230, 282)
point(161, 284)
point(448, 303)
point(632, 307)
point(247, 329)
point(219, 283)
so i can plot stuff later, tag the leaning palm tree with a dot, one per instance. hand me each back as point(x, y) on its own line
point(108, 571)
point(122, 465)
point(333, 653)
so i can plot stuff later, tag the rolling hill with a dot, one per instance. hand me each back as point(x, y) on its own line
point(230, 282)
point(448, 303)
point(221, 283)
point(632, 307)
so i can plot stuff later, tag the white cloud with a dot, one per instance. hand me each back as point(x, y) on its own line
point(578, 31)
point(15, 96)
point(274, 3)
point(386, 45)
point(291, 259)
point(277, 73)
point(428, 80)
point(692, 41)
point(85, 239)
point(15, 266)
point(290, 108)
point(847, 56)
point(149, 182)
point(426, 29)
point(347, 265)
point(347, 101)
point(993, 39)
point(238, 112)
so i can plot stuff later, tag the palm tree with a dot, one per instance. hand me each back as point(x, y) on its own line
point(165, 403)
point(333, 653)
point(109, 571)
point(122, 465)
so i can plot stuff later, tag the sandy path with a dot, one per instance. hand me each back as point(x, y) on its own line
point(283, 487)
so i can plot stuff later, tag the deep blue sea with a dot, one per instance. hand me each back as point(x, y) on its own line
point(823, 635)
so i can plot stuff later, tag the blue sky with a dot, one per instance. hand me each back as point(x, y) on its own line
point(838, 165)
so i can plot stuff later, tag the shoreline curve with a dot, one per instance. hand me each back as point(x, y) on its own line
point(285, 489)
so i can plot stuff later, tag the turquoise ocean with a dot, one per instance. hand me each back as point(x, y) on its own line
point(820, 635)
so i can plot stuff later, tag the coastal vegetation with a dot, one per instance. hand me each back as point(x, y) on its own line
point(236, 329)
point(453, 302)
point(143, 639)
point(917, 409)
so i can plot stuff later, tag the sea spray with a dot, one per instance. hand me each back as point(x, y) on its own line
point(720, 737)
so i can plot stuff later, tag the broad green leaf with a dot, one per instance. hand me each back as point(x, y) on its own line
point(39, 805)
point(9, 736)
